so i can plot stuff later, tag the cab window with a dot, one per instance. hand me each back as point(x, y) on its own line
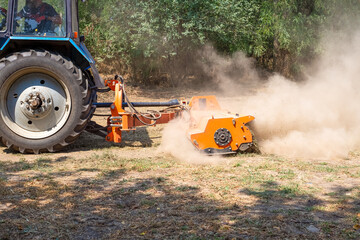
point(74, 20)
point(41, 17)
point(3, 14)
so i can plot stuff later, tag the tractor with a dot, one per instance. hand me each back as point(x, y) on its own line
point(49, 85)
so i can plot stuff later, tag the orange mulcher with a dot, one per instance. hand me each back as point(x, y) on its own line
point(211, 129)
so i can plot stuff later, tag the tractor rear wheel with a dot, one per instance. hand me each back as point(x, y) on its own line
point(45, 101)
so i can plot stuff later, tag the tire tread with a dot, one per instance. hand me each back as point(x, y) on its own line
point(82, 81)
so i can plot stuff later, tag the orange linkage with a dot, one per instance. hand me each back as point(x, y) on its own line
point(121, 120)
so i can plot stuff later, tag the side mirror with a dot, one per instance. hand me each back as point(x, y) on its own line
point(82, 38)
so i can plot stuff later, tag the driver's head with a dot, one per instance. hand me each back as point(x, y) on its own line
point(35, 3)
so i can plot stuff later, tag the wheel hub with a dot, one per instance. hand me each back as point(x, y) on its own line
point(36, 103)
point(222, 137)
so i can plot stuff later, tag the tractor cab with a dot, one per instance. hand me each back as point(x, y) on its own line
point(39, 18)
point(52, 25)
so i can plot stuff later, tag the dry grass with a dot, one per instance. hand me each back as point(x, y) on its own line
point(98, 190)
point(130, 192)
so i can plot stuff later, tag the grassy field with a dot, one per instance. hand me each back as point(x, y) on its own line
point(99, 190)
point(102, 191)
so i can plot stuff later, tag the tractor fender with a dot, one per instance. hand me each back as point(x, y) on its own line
point(76, 52)
point(99, 82)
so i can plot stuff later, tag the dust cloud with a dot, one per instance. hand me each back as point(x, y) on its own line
point(316, 118)
point(229, 74)
point(176, 143)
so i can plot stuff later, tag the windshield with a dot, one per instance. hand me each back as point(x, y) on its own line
point(3, 13)
point(40, 17)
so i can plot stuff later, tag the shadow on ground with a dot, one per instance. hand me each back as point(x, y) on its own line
point(88, 141)
point(114, 206)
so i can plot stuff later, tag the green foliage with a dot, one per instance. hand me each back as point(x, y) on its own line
point(153, 37)
point(4, 4)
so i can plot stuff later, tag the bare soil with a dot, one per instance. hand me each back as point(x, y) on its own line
point(100, 190)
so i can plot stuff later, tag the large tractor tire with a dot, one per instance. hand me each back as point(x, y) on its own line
point(45, 101)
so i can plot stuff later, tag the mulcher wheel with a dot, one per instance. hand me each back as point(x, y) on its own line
point(45, 101)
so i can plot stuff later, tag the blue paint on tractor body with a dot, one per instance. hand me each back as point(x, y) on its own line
point(81, 47)
point(3, 43)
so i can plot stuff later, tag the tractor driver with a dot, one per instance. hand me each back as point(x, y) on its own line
point(39, 17)
point(2, 18)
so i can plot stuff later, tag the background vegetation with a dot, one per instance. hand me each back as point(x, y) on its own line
point(158, 40)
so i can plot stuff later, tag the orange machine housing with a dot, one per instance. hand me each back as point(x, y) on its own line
point(214, 130)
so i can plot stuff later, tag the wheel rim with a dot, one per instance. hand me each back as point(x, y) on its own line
point(35, 103)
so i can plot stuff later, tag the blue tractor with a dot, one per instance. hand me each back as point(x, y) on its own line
point(48, 79)
point(49, 84)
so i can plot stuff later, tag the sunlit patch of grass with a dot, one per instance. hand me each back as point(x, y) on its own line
point(264, 166)
point(250, 178)
point(355, 175)
point(276, 158)
point(330, 178)
point(238, 164)
point(140, 164)
point(325, 169)
point(287, 174)
point(103, 158)
point(247, 155)
point(273, 190)
point(109, 160)
point(146, 164)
